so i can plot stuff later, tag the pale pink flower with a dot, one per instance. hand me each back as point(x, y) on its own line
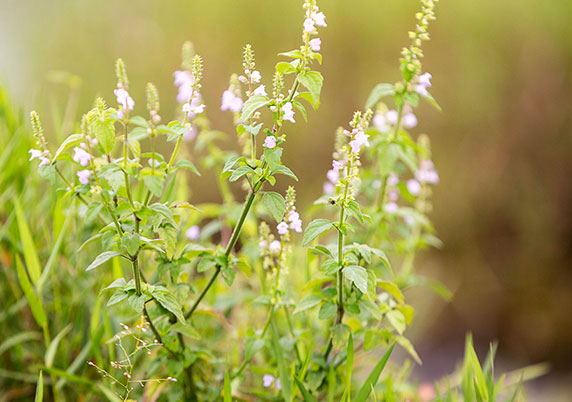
point(260, 90)
point(309, 25)
point(288, 112)
point(333, 176)
point(392, 116)
point(189, 108)
point(316, 44)
point(380, 123)
point(231, 102)
point(409, 120)
point(267, 380)
point(35, 153)
point(124, 99)
point(83, 176)
point(193, 232)
point(413, 186)
point(184, 80)
point(392, 179)
point(275, 246)
point(328, 188)
point(269, 142)
point(390, 207)
point(319, 19)
point(255, 77)
point(282, 228)
point(337, 165)
point(81, 156)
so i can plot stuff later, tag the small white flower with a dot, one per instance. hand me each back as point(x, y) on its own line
point(282, 228)
point(425, 79)
point(275, 246)
point(269, 142)
point(409, 220)
point(193, 232)
point(288, 112)
point(390, 207)
point(409, 120)
point(392, 117)
point(413, 186)
point(83, 176)
point(392, 180)
point(184, 80)
point(380, 123)
point(320, 19)
point(337, 165)
point(328, 188)
point(296, 225)
point(393, 195)
point(333, 176)
point(35, 153)
point(267, 380)
point(231, 102)
point(81, 156)
point(309, 25)
point(187, 108)
point(260, 90)
point(262, 244)
point(278, 384)
point(124, 99)
point(316, 44)
point(190, 134)
point(255, 77)
point(421, 90)
point(360, 139)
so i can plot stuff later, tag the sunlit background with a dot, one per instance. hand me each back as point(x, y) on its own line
point(502, 72)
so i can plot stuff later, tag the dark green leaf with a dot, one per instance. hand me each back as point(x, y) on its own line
point(274, 204)
point(314, 229)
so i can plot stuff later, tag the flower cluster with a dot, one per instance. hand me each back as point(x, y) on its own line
point(188, 82)
point(268, 380)
point(124, 100)
point(43, 154)
point(291, 216)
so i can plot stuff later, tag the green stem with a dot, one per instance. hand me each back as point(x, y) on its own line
point(230, 246)
point(136, 275)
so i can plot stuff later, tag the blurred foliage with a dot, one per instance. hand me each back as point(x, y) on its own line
point(502, 73)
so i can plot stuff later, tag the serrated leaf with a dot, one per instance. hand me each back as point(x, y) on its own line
point(397, 320)
point(378, 92)
point(116, 297)
point(281, 169)
point(272, 156)
point(251, 105)
point(239, 172)
point(164, 211)
point(103, 258)
point(307, 302)
point(328, 310)
point(313, 81)
point(104, 131)
point(392, 289)
point(314, 229)
point(340, 334)
point(358, 275)
point(285, 68)
point(169, 302)
point(274, 204)
point(131, 243)
point(154, 184)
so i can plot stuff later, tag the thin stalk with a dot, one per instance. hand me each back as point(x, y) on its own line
point(230, 245)
point(136, 275)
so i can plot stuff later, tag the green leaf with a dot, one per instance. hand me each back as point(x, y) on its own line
point(227, 390)
point(272, 156)
point(285, 68)
point(370, 307)
point(103, 258)
point(307, 302)
point(408, 346)
point(378, 92)
point(69, 142)
point(305, 394)
point(228, 274)
point(18, 339)
point(282, 368)
point(239, 172)
point(131, 243)
point(429, 98)
point(314, 229)
point(229, 164)
point(116, 297)
point(53, 348)
point(349, 363)
point(169, 302)
point(206, 263)
point(397, 320)
point(281, 169)
point(252, 104)
point(358, 275)
point(312, 80)
point(340, 334)
point(328, 310)
point(165, 211)
point(33, 300)
point(373, 377)
point(186, 329)
point(274, 204)
point(28, 247)
point(154, 184)
point(187, 165)
point(104, 131)
point(40, 388)
point(392, 289)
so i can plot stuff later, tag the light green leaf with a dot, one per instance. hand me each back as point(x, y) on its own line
point(239, 172)
point(186, 329)
point(169, 302)
point(340, 334)
point(33, 300)
point(103, 258)
point(274, 204)
point(305, 394)
point(28, 247)
point(397, 320)
point(154, 184)
point(281, 169)
point(282, 367)
point(314, 229)
point(227, 389)
point(328, 310)
point(378, 92)
point(252, 104)
point(313, 81)
point(392, 289)
point(187, 165)
point(51, 352)
point(104, 131)
point(40, 388)
point(165, 211)
point(69, 142)
point(358, 275)
point(307, 302)
point(373, 377)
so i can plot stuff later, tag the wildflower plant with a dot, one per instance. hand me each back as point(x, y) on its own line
point(255, 333)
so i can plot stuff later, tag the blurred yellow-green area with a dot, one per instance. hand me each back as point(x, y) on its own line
point(502, 72)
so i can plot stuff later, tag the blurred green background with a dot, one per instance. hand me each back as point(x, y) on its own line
point(502, 71)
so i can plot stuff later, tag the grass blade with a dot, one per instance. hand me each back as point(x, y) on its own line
point(40, 388)
point(51, 352)
point(33, 300)
point(373, 377)
point(307, 396)
point(227, 389)
point(28, 247)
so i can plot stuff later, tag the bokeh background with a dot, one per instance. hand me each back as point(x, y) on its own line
point(502, 73)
